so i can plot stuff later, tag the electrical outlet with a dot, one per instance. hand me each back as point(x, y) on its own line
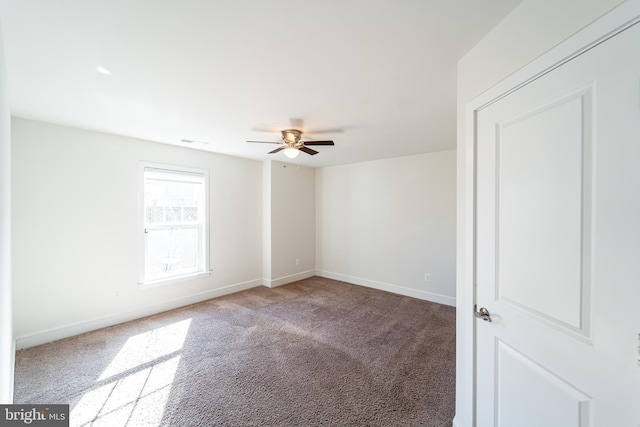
point(297, 261)
point(427, 277)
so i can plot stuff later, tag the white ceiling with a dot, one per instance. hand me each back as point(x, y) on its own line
point(376, 76)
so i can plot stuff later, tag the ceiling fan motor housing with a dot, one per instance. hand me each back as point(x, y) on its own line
point(291, 137)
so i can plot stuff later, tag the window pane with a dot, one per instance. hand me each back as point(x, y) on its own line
point(172, 251)
point(172, 202)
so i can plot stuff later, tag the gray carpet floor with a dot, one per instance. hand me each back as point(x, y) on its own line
point(317, 352)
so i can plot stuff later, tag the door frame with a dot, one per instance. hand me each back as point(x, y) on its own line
point(617, 20)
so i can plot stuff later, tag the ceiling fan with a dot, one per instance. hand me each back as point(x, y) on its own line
point(292, 145)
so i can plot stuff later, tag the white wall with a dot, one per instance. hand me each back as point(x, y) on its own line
point(290, 217)
point(532, 29)
point(75, 210)
point(386, 223)
point(6, 316)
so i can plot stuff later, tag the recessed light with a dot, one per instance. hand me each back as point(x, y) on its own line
point(103, 70)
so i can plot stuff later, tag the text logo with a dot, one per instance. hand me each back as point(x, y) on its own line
point(34, 415)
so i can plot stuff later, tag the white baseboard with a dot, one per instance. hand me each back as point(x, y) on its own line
point(428, 296)
point(288, 279)
point(102, 322)
point(454, 423)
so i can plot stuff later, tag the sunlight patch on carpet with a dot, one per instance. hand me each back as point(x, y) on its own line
point(145, 369)
point(147, 347)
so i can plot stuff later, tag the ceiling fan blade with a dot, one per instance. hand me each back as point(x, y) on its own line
point(265, 142)
point(276, 150)
point(308, 150)
point(318, 143)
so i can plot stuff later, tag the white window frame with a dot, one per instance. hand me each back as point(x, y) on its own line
point(205, 270)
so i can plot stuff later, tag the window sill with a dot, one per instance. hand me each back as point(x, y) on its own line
point(172, 280)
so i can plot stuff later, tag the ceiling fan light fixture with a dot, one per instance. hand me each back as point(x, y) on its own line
point(291, 153)
point(291, 144)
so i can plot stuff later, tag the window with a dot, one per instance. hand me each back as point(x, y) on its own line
point(175, 225)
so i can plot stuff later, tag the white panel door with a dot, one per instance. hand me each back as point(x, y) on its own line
point(557, 260)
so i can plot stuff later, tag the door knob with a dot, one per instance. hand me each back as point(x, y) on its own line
point(483, 313)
